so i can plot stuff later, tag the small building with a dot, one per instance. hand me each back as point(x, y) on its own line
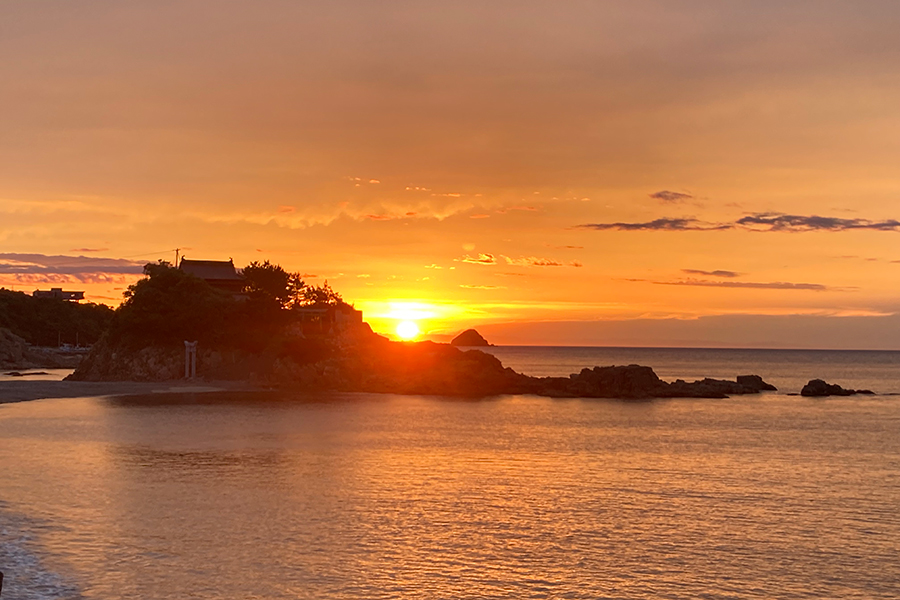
point(58, 294)
point(219, 274)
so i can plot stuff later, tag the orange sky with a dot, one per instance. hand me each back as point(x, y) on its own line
point(600, 166)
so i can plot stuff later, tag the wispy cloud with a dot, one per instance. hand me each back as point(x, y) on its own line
point(673, 197)
point(482, 287)
point(532, 261)
point(41, 264)
point(756, 285)
point(775, 285)
point(778, 222)
point(89, 249)
point(512, 208)
point(716, 273)
point(664, 224)
point(67, 278)
point(480, 259)
point(797, 223)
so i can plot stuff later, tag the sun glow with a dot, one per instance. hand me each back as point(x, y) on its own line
point(407, 330)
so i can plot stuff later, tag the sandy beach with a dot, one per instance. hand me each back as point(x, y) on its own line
point(20, 391)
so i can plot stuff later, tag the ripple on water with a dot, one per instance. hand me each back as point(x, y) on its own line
point(390, 497)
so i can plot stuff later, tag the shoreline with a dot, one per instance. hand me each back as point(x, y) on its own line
point(24, 391)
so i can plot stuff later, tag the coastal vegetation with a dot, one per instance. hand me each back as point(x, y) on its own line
point(51, 321)
point(239, 335)
point(281, 332)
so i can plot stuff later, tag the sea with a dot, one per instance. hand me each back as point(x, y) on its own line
point(286, 495)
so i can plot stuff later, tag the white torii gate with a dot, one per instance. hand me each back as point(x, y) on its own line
point(190, 359)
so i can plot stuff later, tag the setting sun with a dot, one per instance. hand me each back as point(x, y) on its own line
point(407, 330)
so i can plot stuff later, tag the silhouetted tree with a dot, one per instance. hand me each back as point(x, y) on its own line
point(321, 296)
point(170, 306)
point(271, 283)
point(45, 321)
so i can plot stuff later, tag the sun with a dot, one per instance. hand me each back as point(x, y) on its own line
point(407, 330)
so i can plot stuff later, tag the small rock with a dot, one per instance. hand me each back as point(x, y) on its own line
point(817, 388)
point(468, 338)
point(755, 382)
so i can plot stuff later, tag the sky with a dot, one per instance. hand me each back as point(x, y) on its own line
point(699, 173)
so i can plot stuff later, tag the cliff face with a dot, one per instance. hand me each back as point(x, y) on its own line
point(12, 350)
point(15, 353)
point(109, 362)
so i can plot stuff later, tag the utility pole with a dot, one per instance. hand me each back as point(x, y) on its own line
point(177, 250)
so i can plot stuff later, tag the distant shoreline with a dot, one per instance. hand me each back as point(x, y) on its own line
point(23, 391)
point(709, 348)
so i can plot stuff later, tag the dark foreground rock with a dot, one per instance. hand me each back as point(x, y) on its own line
point(818, 388)
point(639, 382)
point(469, 338)
point(15, 353)
point(367, 362)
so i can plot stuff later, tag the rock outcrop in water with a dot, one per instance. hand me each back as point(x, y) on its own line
point(818, 388)
point(469, 338)
point(371, 363)
point(639, 382)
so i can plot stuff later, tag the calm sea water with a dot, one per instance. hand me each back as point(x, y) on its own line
point(379, 496)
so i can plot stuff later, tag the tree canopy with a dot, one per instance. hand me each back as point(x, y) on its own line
point(320, 296)
point(170, 306)
point(47, 321)
point(268, 282)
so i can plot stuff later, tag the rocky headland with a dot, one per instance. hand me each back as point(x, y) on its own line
point(366, 362)
point(276, 339)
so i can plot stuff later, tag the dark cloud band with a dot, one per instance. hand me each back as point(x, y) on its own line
point(716, 273)
point(41, 264)
point(755, 222)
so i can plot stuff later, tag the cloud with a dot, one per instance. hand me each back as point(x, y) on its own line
point(775, 285)
point(770, 221)
point(664, 224)
point(482, 287)
point(716, 273)
point(532, 261)
point(667, 196)
point(797, 223)
point(89, 249)
point(503, 211)
point(481, 259)
point(80, 267)
point(67, 278)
